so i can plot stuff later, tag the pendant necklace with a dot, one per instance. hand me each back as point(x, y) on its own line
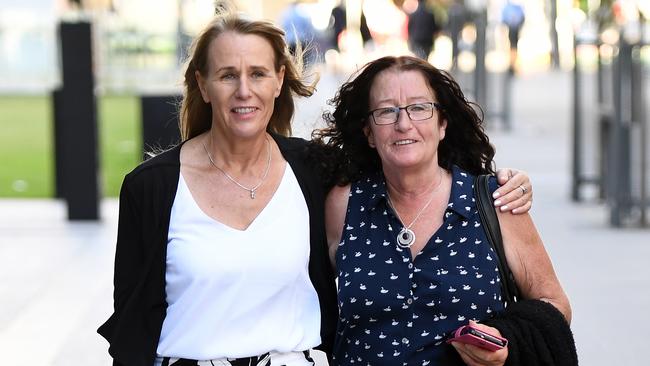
point(250, 190)
point(406, 236)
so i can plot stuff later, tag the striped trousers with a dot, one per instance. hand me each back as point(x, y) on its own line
point(267, 359)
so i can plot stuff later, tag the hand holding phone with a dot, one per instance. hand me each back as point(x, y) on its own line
point(474, 336)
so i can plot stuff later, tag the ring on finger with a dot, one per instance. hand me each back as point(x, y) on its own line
point(523, 189)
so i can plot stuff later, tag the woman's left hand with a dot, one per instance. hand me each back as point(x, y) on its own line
point(476, 356)
point(515, 193)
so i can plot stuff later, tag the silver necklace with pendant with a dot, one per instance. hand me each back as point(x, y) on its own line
point(406, 236)
point(250, 190)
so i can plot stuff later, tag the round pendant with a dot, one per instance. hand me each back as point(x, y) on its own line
point(405, 238)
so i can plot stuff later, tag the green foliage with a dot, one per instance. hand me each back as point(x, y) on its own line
point(27, 151)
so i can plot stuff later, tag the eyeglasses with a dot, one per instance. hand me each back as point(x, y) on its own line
point(416, 112)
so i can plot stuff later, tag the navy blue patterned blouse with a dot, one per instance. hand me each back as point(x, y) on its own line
point(398, 311)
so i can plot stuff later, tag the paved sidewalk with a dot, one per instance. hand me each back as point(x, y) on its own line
point(55, 276)
point(603, 270)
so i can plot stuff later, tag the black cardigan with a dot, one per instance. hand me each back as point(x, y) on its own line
point(537, 333)
point(146, 200)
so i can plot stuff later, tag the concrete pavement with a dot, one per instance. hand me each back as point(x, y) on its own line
point(603, 270)
point(55, 276)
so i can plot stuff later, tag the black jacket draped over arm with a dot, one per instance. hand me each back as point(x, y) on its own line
point(537, 333)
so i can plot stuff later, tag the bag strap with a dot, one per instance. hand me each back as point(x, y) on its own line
point(490, 221)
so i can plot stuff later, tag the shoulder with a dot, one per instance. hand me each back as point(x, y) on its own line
point(292, 148)
point(288, 143)
point(297, 147)
point(164, 163)
point(368, 190)
point(463, 177)
point(371, 182)
point(294, 151)
point(311, 157)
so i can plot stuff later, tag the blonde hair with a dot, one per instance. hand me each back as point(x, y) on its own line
point(196, 115)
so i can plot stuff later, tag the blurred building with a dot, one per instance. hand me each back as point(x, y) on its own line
point(141, 43)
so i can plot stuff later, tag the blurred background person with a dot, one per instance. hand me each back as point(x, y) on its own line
point(299, 31)
point(338, 25)
point(457, 16)
point(512, 15)
point(422, 30)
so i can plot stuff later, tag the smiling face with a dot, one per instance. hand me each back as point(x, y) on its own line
point(241, 84)
point(405, 144)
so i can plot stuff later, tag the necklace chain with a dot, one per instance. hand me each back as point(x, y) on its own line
point(406, 236)
point(250, 190)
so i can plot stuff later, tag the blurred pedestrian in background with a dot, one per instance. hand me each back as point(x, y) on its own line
point(457, 16)
point(338, 25)
point(513, 17)
point(422, 30)
point(299, 31)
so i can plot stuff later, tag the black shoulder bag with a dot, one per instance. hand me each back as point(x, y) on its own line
point(488, 215)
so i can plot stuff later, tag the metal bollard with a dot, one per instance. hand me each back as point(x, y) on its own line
point(638, 119)
point(576, 166)
point(480, 77)
point(619, 188)
point(75, 128)
point(506, 102)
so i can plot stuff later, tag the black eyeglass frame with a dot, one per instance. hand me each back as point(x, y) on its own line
point(408, 113)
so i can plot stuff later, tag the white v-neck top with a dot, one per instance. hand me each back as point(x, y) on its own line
point(239, 293)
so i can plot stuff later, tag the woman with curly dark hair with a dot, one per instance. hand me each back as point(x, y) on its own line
point(465, 144)
point(410, 250)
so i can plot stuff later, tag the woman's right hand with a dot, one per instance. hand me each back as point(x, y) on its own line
point(476, 356)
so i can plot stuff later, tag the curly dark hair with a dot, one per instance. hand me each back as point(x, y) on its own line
point(346, 146)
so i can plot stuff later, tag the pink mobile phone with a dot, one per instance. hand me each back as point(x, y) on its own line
point(479, 338)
